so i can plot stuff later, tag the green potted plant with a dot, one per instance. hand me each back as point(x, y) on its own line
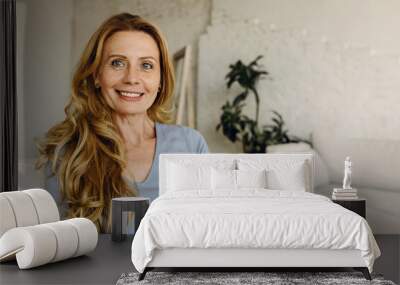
point(238, 127)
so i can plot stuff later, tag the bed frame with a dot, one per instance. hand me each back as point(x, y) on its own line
point(248, 259)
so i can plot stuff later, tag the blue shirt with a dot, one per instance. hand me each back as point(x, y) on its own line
point(169, 139)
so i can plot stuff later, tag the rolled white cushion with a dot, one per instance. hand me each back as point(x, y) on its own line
point(33, 246)
point(45, 243)
point(23, 208)
point(26, 208)
point(67, 240)
point(87, 235)
point(46, 207)
point(7, 218)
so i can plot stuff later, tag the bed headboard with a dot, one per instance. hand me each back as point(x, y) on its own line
point(219, 159)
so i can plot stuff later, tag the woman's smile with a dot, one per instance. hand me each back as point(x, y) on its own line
point(132, 96)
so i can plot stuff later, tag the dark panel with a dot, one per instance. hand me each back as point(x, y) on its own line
point(8, 98)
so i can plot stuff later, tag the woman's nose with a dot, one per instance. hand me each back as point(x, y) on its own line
point(132, 75)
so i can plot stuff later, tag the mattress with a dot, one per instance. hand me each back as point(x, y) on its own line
point(250, 219)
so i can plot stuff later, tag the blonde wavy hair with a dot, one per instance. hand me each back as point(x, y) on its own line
point(86, 151)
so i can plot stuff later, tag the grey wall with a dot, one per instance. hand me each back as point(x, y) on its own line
point(46, 73)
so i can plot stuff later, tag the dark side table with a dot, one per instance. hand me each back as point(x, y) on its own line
point(358, 206)
point(123, 209)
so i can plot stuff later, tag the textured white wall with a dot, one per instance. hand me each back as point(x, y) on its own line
point(334, 74)
point(334, 65)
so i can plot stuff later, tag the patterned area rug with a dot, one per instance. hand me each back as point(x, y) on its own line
point(270, 278)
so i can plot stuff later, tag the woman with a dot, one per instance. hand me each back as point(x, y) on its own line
point(115, 126)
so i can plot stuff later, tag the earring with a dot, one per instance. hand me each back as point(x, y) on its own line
point(97, 85)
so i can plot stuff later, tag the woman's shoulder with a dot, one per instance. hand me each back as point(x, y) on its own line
point(194, 139)
point(170, 129)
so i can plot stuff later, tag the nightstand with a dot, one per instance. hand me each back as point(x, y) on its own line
point(127, 212)
point(358, 206)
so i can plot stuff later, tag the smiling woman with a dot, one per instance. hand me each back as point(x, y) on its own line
point(130, 71)
point(116, 123)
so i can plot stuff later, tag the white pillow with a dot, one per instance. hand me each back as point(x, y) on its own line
point(251, 178)
point(288, 177)
point(185, 177)
point(321, 176)
point(223, 179)
point(281, 174)
point(236, 179)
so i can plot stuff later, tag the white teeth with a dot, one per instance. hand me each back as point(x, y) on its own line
point(130, 94)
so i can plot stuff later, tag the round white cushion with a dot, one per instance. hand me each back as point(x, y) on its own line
point(26, 208)
point(23, 209)
point(33, 246)
point(7, 216)
point(87, 235)
point(40, 244)
point(46, 207)
point(67, 240)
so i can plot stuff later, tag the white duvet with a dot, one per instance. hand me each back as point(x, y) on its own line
point(251, 218)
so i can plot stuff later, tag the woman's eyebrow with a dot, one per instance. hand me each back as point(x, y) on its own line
point(125, 57)
point(116, 55)
point(148, 57)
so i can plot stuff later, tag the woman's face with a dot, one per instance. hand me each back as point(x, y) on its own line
point(129, 74)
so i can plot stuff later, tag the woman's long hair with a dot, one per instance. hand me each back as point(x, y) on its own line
point(86, 151)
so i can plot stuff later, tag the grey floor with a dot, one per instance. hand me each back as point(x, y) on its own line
point(110, 260)
point(389, 262)
point(102, 266)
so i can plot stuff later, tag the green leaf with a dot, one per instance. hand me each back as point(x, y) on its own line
point(241, 97)
point(239, 127)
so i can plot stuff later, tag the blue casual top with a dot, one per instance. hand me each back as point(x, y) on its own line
point(169, 139)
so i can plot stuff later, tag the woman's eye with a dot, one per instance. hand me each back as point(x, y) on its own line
point(147, 65)
point(117, 63)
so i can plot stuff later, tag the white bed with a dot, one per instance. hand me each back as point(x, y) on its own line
point(218, 210)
